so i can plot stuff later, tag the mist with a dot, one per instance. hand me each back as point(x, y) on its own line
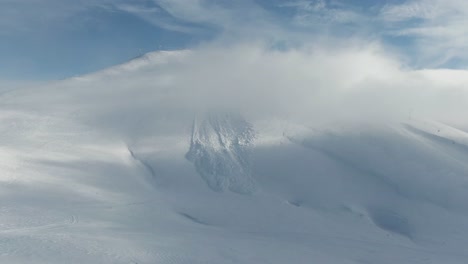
point(311, 85)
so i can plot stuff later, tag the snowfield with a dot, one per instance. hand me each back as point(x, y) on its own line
point(125, 166)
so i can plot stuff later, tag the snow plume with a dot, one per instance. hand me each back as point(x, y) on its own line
point(309, 84)
point(320, 83)
point(317, 84)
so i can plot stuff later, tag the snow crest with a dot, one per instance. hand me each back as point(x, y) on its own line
point(220, 149)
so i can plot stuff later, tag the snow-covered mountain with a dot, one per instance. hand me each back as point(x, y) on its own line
point(128, 166)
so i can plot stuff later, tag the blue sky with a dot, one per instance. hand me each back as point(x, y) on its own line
point(55, 39)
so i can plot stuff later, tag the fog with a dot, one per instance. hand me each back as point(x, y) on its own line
point(313, 84)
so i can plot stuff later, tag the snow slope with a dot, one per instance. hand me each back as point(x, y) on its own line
point(106, 168)
point(220, 150)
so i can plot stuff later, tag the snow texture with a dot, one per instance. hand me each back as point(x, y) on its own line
point(220, 149)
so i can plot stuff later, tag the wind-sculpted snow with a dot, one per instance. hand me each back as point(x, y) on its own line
point(412, 157)
point(391, 221)
point(220, 149)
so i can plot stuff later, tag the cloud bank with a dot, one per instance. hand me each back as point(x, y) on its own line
point(317, 85)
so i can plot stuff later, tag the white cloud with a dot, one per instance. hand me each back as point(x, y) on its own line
point(320, 84)
point(314, 85)
point(188, 16)
point(437, 27)
point(319, 13)
point(425, 9)
point(31, 15)
point(409, 10)
point(228, 16)
point(156, 16)
point(305, 5)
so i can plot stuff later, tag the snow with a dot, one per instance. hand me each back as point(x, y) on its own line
point(106, 168)
point(220, 150)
